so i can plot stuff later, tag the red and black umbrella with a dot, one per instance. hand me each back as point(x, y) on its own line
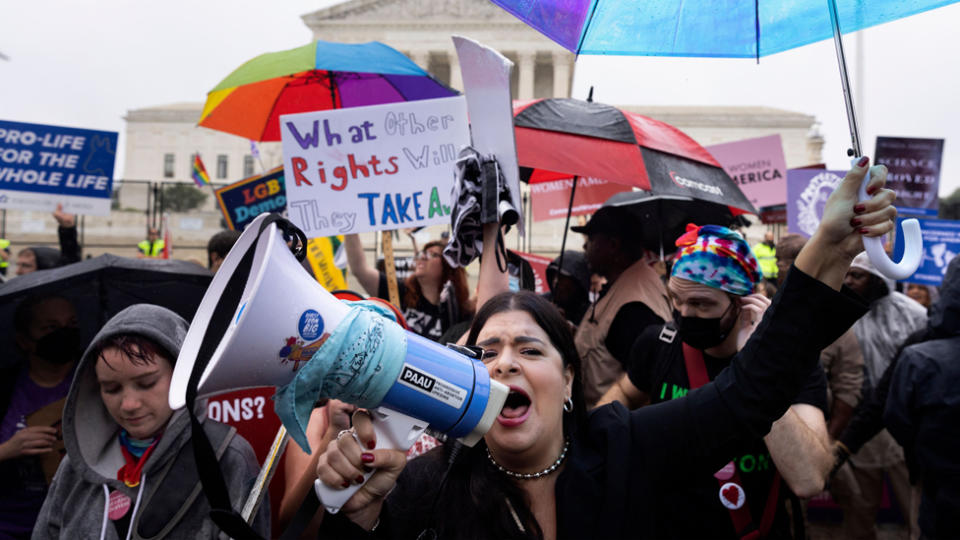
point(561, 137)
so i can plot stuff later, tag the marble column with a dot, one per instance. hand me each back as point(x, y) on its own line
point(421, 58)
point(561, 74)
point(527, 61)
point(456, 80)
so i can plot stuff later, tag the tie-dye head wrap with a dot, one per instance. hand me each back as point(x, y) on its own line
point(716, 257)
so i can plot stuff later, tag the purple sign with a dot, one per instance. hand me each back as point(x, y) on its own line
point(914, 172)
point(757, 166)
point(807, 192)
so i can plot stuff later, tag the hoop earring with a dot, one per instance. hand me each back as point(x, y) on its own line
point(568, 405)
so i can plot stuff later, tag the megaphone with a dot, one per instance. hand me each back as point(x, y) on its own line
point(264, 317)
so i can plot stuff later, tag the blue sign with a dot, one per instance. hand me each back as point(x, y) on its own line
point(43, 166)
point(242, 201)
point(941, 243)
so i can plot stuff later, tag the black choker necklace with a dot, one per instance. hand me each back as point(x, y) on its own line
point(531, 476)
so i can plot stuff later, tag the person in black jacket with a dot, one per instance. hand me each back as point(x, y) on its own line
point(916, 400)
point(541, 472)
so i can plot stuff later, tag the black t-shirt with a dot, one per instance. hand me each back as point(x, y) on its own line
point(630, 320)
point(423, 319)
point(692, 503)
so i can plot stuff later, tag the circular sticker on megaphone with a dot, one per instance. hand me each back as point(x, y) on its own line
point(310, 325)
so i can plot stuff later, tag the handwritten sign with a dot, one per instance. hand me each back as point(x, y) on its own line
point(242, 201)
point(757, 166)
point(42, 166)
point(372, 168)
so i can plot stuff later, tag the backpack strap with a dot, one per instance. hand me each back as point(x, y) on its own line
point(178, 486)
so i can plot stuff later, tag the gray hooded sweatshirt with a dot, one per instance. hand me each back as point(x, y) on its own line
point(168, 502)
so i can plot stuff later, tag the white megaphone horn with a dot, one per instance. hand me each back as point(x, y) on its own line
point(264, 317)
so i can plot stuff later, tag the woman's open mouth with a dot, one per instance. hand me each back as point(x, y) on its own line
point(516, 409)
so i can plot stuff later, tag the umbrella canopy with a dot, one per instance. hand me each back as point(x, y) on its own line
point(315, 77)
point(99, 288)
point(560, 137)
point(661, 219)
point(733, 29)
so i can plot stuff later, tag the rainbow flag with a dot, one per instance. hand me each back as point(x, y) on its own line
point(200, 176)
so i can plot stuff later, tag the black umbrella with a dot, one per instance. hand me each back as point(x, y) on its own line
point(663, 218)
point(99, 288)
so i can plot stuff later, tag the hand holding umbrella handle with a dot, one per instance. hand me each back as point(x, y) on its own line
point(912, 245)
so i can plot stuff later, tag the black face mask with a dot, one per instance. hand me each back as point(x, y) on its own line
point(61, 346)
point(701, 333)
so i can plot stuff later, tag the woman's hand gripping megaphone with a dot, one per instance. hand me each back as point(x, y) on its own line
point(355, 470)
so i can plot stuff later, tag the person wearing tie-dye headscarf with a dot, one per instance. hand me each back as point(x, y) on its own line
point(715, 310)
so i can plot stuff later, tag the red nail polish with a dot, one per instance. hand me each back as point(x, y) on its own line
point(345, 484)
point(366, 457)
point(359, 479)
point(860, 208)
point(371, 445)
point(864, 230)
point(871, 190)
point(855, 222)
point(863, 161)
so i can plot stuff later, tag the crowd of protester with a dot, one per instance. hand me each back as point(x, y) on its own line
point(704, 395)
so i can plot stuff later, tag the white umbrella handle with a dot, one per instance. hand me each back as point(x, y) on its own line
point(912, 246)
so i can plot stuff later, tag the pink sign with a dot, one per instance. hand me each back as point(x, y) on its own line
point(757, 167)
point(552, 199)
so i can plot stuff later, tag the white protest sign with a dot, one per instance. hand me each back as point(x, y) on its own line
point(372, 168)
point(486, 83)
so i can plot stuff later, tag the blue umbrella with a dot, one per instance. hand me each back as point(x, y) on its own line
point(729, 29)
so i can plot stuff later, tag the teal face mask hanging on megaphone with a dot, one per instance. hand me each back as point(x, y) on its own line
point(265, 321)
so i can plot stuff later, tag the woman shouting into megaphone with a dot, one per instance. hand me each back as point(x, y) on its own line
point(547, 470)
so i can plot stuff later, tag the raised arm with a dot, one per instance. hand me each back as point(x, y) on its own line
point(492, 280)
point(807, 315)
point(800, 447)
point(368, 277)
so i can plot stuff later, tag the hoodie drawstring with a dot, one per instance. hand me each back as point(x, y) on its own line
point(106, 512)
point(136, 505)
point(133, 515)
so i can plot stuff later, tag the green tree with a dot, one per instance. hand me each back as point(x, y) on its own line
point(182, 197)
point(950, 206)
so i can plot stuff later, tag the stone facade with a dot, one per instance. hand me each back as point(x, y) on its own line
point(157, 135)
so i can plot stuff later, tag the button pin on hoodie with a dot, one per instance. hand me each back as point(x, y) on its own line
point(119, 505)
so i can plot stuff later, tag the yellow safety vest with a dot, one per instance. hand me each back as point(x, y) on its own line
point(767, 257)
point(151, 251)
point(4, 244)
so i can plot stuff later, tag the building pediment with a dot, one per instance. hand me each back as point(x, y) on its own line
point(399, 11)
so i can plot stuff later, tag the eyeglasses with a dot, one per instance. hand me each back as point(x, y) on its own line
point(429, 255)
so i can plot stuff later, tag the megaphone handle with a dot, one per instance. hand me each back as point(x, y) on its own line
point(912, 245)
point(394, 430)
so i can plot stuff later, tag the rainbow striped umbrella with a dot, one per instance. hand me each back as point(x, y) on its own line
point(319, 76)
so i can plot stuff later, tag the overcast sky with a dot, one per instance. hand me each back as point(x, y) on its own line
point(84, 63)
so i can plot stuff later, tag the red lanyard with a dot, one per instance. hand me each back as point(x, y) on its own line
point(732, 495)
point(131, 470)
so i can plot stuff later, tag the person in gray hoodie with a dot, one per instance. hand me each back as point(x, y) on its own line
point(129, 471)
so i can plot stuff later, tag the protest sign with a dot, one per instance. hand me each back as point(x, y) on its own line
point(757, 166)
point(807, 192)
point(913, 167)
point(242, 201)
point(941, 243)
point(42, 166)
point(372, 168)
point(552, 199)
point(539, 265)
point(320, 255)
point(486, 83)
